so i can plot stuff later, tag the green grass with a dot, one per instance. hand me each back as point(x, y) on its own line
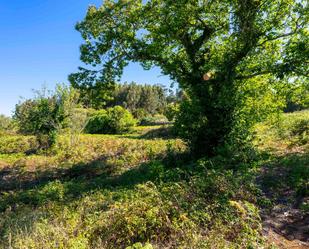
point(289, 131)
point(142, 190)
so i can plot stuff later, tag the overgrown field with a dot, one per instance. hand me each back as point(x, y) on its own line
point(142, 190)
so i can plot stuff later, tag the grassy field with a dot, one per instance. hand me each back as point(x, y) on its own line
point(141, 190)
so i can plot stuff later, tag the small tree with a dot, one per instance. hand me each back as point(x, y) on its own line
point(44, 115)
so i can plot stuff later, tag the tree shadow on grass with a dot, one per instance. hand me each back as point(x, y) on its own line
point(289, 172)
point(35, 189)
point(163, 132)
point(285, 181)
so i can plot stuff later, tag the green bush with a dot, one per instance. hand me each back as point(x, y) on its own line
point(139, 113)
point(300, 130)
point(184, 125)
point(97, 123)
point(120, 119)
point(39, 117)
point(114, 120)
point(293, 127)
point(45, 114)
point(171, 111)
point(5, 123)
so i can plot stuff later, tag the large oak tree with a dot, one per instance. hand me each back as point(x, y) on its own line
point(210, 47)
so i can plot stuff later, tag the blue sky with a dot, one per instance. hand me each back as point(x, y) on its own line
point(39, 46)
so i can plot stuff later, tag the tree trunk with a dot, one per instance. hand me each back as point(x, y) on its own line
point(216, 105)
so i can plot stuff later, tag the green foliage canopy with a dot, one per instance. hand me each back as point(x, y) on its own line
point(232, 41)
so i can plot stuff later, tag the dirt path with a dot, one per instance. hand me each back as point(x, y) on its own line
point(285, 224)
point(286, 227)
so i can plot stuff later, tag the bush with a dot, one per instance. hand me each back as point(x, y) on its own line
point(5, 123)
point(97, 123)
point(139, 113)
point(39, 117)
point(294, 127)
point(300, 130)
point(115, 120)
point(171, 111)
point(45, 115)
point(184, 125)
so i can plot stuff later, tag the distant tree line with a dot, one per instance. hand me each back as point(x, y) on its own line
point(140, 100)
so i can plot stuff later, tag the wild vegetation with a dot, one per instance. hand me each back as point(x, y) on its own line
point(118, 191)
point(216, 164)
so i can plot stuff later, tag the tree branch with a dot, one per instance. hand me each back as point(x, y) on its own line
point(243, 77)
point(277, 37)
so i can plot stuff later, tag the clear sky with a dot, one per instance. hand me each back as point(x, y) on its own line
point(40, 46)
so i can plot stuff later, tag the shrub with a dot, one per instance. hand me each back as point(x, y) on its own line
point(97, 123)
point(293, 127)
point(139, 113)
point(45, 115)
point(40, 117)
point(300, 130)
point(171, 111)
point(120, 120)
point(5, 123)
point(115, 120)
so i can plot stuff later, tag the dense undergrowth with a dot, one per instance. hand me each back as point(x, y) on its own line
point(285, 149)
point(141, 190)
